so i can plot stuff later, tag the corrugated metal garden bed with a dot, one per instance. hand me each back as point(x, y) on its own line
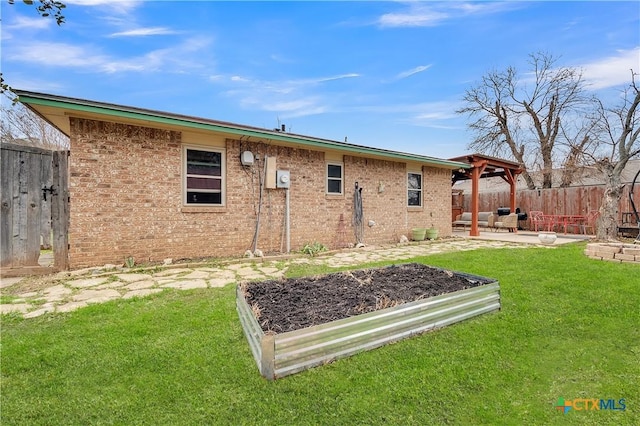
point(295, 324)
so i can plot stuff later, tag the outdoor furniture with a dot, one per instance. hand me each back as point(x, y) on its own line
point(537, 220)
point(549, 222)
point(464, 219)
point(508, 222)
point(553, 222)
point(569, 220)
point(628, 226)
point(590, 222)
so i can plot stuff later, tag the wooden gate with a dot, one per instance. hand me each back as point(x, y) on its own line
point(34, 202)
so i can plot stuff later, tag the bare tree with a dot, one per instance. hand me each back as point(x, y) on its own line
point(22, 127)
point(617, 130)
point(522, 118)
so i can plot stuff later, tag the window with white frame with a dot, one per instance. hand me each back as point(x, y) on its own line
point(335, 178)
point(204, 176)
point(414, 189)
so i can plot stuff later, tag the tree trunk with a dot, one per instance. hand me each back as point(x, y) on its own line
point(528, 179)
point(607, 223)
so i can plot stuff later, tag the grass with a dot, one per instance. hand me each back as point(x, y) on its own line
point(569, 327)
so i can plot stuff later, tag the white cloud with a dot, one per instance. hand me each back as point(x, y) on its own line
point(171, 59)
point(415, 18)
point(612, 71)
point(418, 14)
point(144, 32)
point(413, 71)
point(23, 23)
point(337, 77)
point(435, 115)
point(289, 98)
point(118, 6)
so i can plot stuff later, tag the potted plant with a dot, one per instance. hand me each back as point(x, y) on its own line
point(432, 233)
point(418, 234)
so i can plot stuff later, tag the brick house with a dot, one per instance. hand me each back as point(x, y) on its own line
point(156, 185)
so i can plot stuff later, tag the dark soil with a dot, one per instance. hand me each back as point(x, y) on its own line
point(292, 304)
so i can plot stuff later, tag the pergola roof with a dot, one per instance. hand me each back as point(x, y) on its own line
point(492, 166)
point(483, 166)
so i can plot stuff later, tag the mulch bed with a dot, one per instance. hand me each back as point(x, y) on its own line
point(292, 304)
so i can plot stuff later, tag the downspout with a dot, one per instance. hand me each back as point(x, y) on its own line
point(287, 228)
point(257, 232)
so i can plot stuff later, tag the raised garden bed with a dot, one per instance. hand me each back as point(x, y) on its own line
point(295, 324)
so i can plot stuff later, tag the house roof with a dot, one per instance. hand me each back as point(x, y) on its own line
point(57, 109)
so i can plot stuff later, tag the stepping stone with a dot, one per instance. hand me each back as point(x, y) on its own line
point(170, 272)
point(115, 284)
point(268, 270)
point(243, 272)
point(14, 307)
point(212, 270)
point(141, 293)
point(228, 275)
point(186, 285)
point(71, 306)
point(6, 282)
point(87, 282)
point(96, 296)
point(195, 275)
point(130, 278)
point(55, 293)
point(139, 285)
point(236, 266)
point(220, 282)
point(28, 295)
point(39, 312)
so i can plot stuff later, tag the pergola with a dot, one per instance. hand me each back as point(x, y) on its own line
point(483, 166)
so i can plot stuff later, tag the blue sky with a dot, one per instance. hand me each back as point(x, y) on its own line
point(382, 74)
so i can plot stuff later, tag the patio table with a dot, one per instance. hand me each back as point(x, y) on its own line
point(563, 221)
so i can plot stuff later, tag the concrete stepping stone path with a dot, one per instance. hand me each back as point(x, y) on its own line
point(73, 290)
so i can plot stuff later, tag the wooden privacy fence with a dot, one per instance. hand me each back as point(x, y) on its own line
point(34, 202)
point(577, 200)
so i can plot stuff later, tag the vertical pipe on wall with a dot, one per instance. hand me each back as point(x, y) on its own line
point(261, 180)
point(286, 221)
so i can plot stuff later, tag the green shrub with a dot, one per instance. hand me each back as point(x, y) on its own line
point(313, 249)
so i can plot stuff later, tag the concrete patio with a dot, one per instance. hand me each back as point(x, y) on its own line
point(523, 237)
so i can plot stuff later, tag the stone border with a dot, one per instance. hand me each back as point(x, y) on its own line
point(615, 252)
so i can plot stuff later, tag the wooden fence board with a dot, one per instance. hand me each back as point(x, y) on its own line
point(578, 200)
point(6, 208)
point(60, 210)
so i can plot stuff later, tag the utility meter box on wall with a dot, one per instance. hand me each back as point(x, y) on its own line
point(270, 180)
point(283, 179)
point(246, 159)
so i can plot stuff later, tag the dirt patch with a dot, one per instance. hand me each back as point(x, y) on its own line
point(292, 304)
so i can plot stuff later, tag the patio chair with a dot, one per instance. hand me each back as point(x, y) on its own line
point(537, 220)
point(509, 222)
point(590, 222)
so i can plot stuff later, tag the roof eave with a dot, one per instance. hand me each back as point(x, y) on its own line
point(85, 106)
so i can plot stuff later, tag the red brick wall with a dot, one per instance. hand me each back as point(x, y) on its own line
point(126, 199)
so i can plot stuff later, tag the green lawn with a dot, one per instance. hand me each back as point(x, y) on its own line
point(569, 327)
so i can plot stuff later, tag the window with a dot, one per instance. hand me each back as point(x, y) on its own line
point(334, 178)
point(204, 177)
point(414, 189)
